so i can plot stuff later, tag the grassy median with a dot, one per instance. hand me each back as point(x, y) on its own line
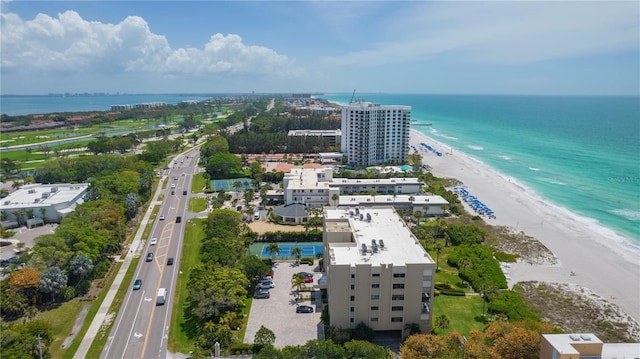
point(179, 339)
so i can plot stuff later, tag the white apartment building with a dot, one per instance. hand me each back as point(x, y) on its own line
point(50, 202)
point(376, 270)
point(373, 134)
point(315, 187)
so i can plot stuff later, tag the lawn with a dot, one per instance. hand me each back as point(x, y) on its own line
point(197, 205)
point(61, 319)
point(180, 331)
point(461, 312)
point(198, 183)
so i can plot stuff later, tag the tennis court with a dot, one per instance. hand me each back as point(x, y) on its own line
point(308, 250)
point(233, 184)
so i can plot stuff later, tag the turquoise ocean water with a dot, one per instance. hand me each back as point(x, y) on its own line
point(579, 153)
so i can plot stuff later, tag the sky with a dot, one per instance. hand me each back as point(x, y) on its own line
point(431, 47)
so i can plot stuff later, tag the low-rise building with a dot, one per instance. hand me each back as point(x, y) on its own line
point(428, 205)
point(49, 202)
point(376, 271)
point(316, 187)
point(583, 346)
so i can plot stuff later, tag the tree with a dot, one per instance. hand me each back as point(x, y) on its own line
point(356, 349)
point(297, 282)
point(362, 332)
point(53, 281)
point(421, 346)
point(442, 322)
point(81, 266)
point(323, 349)
point(297, 252)
point(26, 280)
point(264, 336)
point(512, 340)
point(43, 213)
point(224, 165)
point(214, 290)
point(253, 268)
point(274, 250)
point(335, 197)
point(438, 248)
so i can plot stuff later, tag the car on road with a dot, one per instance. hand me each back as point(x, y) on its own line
point(175, 177)
point(173, 192)
point(178, 219)
point(153, 241)
point(184, 193)
point(162, 217)
point(170, 261)
point(261, 294)
point(304, 309)
point(265, 285)
point(149, 257)
point(173, 185)
point(137, 284)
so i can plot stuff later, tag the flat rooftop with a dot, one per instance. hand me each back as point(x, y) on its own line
point(37, 194)
point(563, 342)
point(399, 245)
point(418, 200)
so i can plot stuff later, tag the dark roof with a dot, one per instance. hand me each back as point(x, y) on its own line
point(294, 210)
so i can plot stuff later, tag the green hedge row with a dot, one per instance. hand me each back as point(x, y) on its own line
point(306, 260)
point(305, 236)
point(481, 269)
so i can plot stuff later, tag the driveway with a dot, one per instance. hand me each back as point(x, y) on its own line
point(278, 313)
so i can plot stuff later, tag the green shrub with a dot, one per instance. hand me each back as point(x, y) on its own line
point(306, 260)
point(443, 286)
point(506, 257)
point(304, 236)
point(241, 348)
point(453, 292)
point(483, 270)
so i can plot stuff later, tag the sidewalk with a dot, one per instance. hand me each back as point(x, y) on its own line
point(134, 250)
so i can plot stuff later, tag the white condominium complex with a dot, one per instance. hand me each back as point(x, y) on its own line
point(373, 134)
point(376, 270)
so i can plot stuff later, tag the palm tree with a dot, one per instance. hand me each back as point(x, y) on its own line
point(335, 198)
point(274, 250)
point(418, 214)
point(426, 210)
point(373, 194)
point(490, 292)
point(28, 151)
point(237, 185)
point(297, 282)
point(463, 264)
point(438, 250)
point(442, 321)
point(297, 252)
point(210, 326)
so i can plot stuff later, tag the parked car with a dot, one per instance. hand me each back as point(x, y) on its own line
point(304, 309)
point(265, 285)
point(137, 284)
point(308, 279)
point(149, 257)
point(170, 261)
point(304, 274)
point(153, 241)
point(261, 294)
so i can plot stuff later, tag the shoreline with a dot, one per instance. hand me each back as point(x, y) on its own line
point(598, 258)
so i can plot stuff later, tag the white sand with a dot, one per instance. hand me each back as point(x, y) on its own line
point(599, 259)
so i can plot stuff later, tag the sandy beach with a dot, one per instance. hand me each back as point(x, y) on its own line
point(599, 260)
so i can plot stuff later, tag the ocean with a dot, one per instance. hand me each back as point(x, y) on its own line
point(31, 105)
point(581, 154)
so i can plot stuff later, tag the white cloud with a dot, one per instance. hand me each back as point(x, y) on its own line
point(69, 43)
point(506, 33)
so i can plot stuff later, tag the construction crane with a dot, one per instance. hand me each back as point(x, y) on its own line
point(354, 93)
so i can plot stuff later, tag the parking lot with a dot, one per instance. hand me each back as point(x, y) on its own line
point(278, 313)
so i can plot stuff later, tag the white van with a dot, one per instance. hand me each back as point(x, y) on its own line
point(162, 295)
point(256, 215)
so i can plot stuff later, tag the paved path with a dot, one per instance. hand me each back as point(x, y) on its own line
point(135, 249)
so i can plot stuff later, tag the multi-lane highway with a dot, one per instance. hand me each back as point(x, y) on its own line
point(141, 328)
